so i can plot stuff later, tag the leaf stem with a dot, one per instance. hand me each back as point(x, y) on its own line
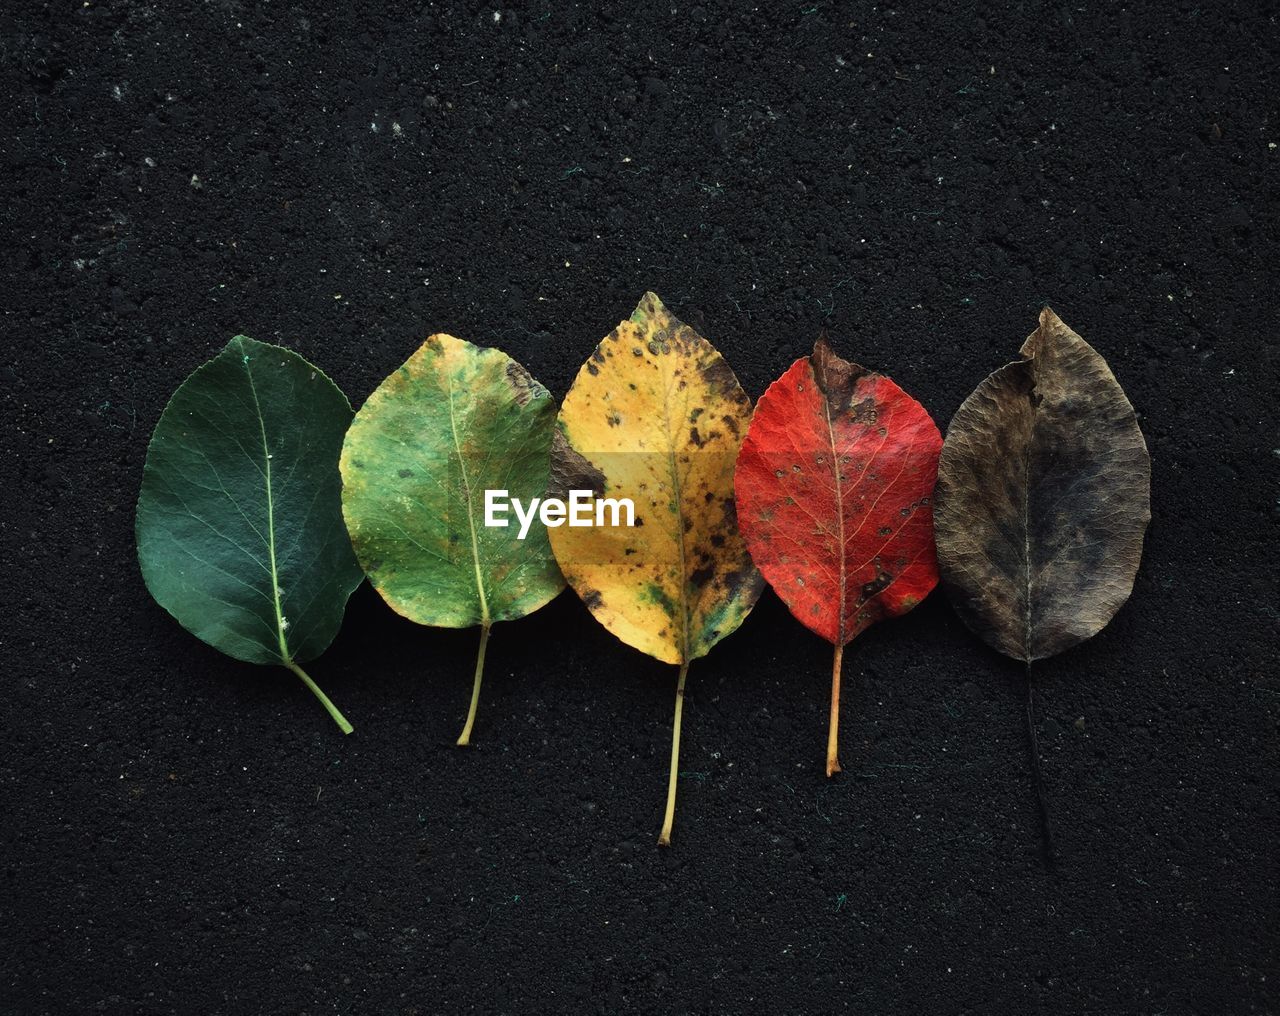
point(338, 718)
point(1037, 781)
point(833, 729)
point(664, 838)
point(465, 738)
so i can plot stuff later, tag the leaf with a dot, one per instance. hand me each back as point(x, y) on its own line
point(833, 484)
point(454, 421)
point(239, 525)
point(1043, 498)
point(1044, 493)
point(656, 415)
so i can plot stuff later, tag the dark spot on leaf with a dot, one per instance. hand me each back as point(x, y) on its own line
point(864, 412)
point(701, 576)
point(836, 377)
point(730, 508)
point(526, 389)
point(742, 579)
point(869, 589)
point(570, 470)
point(719, 377)
point(404, 474)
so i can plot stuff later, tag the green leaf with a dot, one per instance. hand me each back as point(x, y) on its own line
point(454, 421)
point(239, 529)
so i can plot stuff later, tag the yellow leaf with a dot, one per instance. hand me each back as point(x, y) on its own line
point(656, 416)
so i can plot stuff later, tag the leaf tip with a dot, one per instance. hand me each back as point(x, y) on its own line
point(1051, 331)
point(649, 306)
point(439, 342)
point(822, 347)
point(836, 376)
point(1048, 319)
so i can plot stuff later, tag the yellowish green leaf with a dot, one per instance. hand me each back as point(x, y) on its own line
point(454, 421)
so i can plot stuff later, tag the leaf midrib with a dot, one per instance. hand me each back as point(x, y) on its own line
point(466, 487)
point(271, 510)
point(835, 468)
point(685, 606)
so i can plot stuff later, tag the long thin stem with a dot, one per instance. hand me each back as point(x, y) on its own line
point(1037, 781)
point(338, 718)
point(465, 738)
point(664, 838)
point(833, 728)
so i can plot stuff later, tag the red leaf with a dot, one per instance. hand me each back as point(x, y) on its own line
point(842, 552)
point(833, 489)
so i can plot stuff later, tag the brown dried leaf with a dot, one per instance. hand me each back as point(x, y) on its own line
point(1043, 497)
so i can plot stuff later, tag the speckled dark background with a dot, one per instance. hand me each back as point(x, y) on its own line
point(182, 833)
